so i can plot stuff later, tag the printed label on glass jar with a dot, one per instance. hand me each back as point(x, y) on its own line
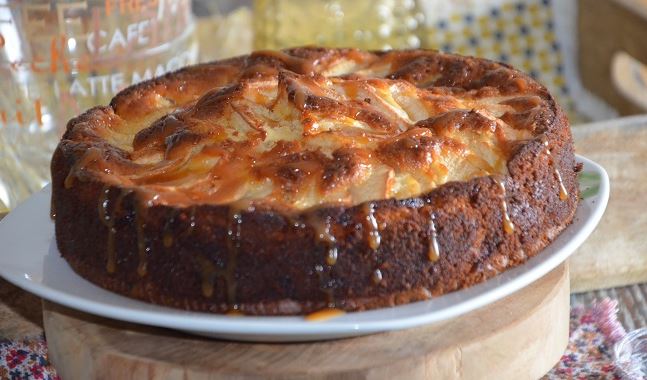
point(59, 58)
point(76, 54)
point(96, 29)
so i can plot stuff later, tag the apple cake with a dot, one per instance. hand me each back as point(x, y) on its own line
point(286, 182)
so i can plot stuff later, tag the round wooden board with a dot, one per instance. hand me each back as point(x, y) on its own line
point(519, 337)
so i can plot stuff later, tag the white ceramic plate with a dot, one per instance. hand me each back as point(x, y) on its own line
point(29, 259)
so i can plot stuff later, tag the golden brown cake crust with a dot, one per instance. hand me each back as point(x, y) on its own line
point(206, 247)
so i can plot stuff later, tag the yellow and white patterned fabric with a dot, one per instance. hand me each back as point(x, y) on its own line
point(536, 36)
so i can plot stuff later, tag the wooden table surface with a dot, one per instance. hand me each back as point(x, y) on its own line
point(616, 253)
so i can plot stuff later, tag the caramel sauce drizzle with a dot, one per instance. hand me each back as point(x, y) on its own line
point(330, 296)
point(108, 219)
point(433, 249)
point(167, 239)
point(296, 64)
point(373, 234)
point(300, 98)
point(324, 277)
point(70, 179)
point(208, 280)
point(143, 249)
point(331, 256)
point(167, 232)
point(208, 272)
point(324, 315)
point(322, 228)
point(508, 226)
point(192, 223)
point(563, 193)
point(233, 246)
point(235, 313)
point(259, 69)
point(377, 276)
